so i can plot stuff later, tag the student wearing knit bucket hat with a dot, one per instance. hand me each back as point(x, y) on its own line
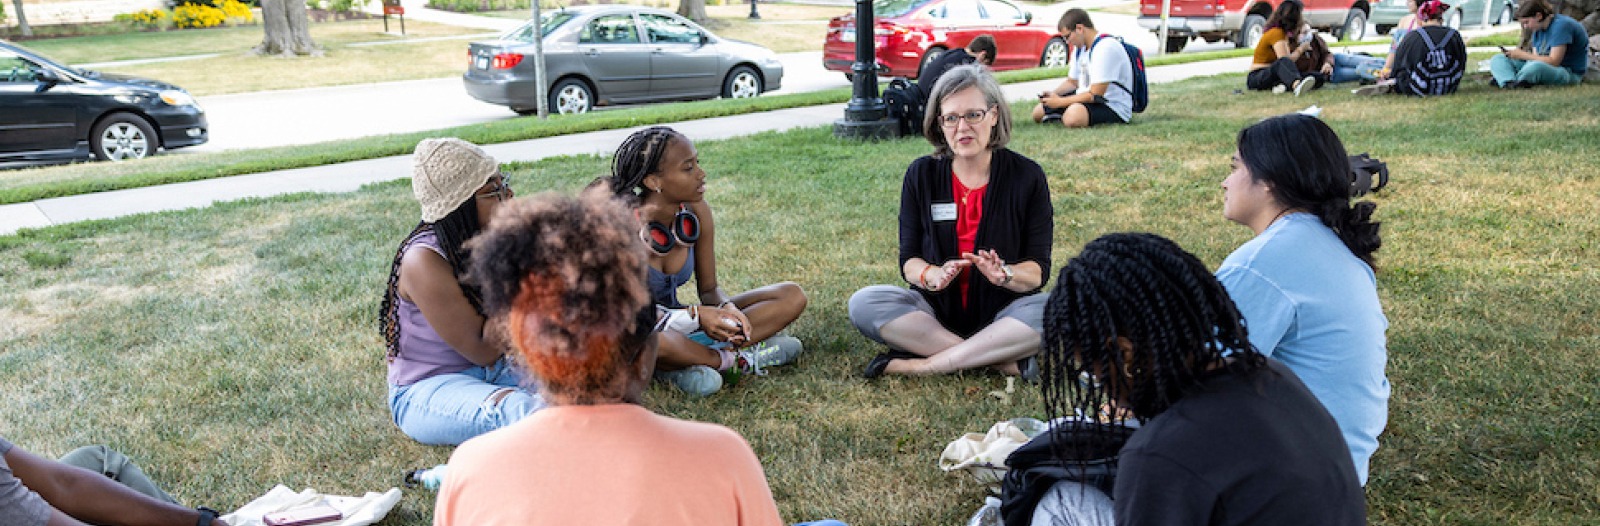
point(448, 377)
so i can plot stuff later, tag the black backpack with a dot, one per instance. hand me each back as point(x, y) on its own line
point(1035, 467)
point(1140, 90)
point(906, 102)
point(1436, 73)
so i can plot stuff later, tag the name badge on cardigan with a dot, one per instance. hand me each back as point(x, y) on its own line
point(944, 212)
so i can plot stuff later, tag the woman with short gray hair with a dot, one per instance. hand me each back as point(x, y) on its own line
point(975, 234)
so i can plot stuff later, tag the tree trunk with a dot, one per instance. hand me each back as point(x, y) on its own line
point(288, 32)
point(693, 10)
point(22, 19)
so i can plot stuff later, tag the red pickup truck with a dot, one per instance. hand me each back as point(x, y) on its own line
point(1243, 21)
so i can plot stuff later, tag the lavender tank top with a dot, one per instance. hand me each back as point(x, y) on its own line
point(422, 352)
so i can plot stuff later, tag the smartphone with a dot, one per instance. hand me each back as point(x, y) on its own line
point(303, 516)
point(1504, 50)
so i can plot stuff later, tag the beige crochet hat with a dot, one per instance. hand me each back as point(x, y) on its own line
point(447, 172)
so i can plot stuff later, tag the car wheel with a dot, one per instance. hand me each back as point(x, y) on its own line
point(1505, 16)
point(742, 83)
point(1176, 44)
point(1453, 20)
point(1250, 32)
point(571, 96)
point(524, 111)
point(123, 136)
point(1355, 26)
point(928, 58)
point(1055, 53)
point(1383, 29)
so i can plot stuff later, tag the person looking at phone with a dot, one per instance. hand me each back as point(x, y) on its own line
point(1306, 283)
point(37, 491)
point(657, 171)
point(1096, 89)
point(1273, 64)
point(569, 276)
point(448, 376)
point(1558, 53)
point(975, 234)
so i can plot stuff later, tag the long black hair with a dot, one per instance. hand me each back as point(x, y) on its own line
point(1136, 320)
point(638, 156)
point(1305, 164)
point(453, 231)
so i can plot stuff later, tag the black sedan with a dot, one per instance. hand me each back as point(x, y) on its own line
point(616, 54)
point(54, 113)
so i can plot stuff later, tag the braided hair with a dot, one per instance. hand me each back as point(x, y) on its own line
point(638, 156)
point(1136, 322)
point(453, 231)
point(570, 277)
point(1306, 165)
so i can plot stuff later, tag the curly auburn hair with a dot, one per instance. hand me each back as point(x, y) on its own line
point(568, 274)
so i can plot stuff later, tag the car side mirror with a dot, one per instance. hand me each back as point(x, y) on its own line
point(1027, 18)
point(47, 79)
point(705, 39)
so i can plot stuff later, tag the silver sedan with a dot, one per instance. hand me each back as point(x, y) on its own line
point(617, 54)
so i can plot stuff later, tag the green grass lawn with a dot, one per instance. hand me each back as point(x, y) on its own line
point(232, 348)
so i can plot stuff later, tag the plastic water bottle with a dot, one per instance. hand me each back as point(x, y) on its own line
point(988, 515)
point(429, 478)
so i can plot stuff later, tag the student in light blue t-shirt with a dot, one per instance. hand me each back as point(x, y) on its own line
point(1305, 284)
point(1560, 51)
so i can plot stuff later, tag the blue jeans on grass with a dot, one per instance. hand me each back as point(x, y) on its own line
point(448, 409)
point(1506, 69)
point(1349, 67)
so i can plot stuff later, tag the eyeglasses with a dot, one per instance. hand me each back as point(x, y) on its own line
point(951, 120)
point(501, 190)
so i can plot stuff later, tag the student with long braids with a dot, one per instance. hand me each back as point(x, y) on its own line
point(1306, 283)
point(448, 378)
point(657, 172)
point(568, 276)
point(1230, 436)
point(975, 220)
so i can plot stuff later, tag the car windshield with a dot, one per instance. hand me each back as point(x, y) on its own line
point(549, 19)
point(57, 63)
point(894, 8)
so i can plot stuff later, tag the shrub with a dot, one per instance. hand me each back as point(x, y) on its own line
point(146, 19)
point(237, 12)
point(197, 16)
point(469, 6)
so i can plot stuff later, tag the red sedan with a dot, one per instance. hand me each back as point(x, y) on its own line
point(911, 33)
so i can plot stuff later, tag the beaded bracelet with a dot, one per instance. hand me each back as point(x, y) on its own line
point(923, 277)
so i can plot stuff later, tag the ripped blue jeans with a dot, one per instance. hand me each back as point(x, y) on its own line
point(448, 409)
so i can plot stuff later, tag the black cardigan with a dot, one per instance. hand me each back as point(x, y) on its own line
point(1017, 222)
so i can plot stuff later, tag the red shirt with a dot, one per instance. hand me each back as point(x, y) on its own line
point(969, 211)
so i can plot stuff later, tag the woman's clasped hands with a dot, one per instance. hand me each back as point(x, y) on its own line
point(725, 323)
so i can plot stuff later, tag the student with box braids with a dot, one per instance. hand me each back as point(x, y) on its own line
point(657, 172)
point(1141, 327)
point(448, 379)
point(1305, 283)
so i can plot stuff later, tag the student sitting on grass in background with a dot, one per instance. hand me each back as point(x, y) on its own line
point(448, 376)
point(1099, 79)
point(657, 171)
point(1559, 54)
point(1273, 66)
point(568, 275)
point(1229, 437)
point(1431, 59)
point(93, 485)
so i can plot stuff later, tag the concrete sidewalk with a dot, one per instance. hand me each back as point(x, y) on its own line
point(345, 177)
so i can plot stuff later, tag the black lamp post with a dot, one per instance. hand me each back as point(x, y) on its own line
point(865, 116)
point(753, 14)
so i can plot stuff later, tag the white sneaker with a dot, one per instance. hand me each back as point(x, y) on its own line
point(1279, 89)
point(1303, 85)
point(695, 380)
